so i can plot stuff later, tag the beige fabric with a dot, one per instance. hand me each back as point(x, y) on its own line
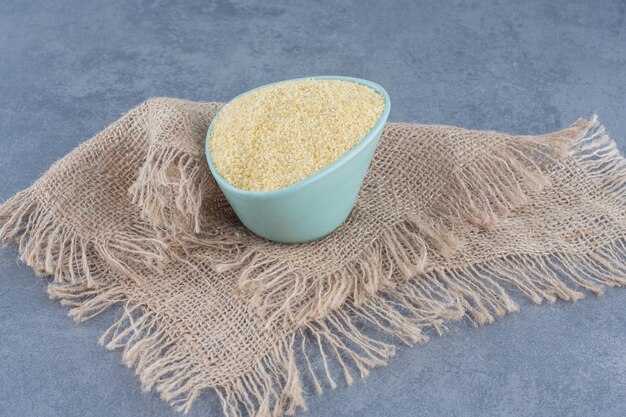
point(448, 222)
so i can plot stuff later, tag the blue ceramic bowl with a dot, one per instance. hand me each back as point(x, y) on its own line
point(315, 206)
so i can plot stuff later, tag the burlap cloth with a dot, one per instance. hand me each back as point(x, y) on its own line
point(449, 221)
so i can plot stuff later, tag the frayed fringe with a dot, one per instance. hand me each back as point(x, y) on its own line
point(159, 360)
point(51, 246)
point(344, 344)
point(597, 154)
point(483, 191)
point(401, 252)
point(171, 190)
point(349, 342)
point(86, 301)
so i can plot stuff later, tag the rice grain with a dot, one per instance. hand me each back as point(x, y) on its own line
point(276, 136)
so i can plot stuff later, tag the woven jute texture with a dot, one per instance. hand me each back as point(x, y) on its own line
point(449, 224)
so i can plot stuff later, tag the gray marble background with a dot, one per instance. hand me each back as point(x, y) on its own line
point(69, 68)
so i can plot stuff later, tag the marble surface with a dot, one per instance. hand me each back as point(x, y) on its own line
point(68, 68)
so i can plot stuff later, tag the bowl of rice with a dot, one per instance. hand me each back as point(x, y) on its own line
point(290, 157)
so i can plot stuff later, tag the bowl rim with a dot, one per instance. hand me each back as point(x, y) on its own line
point(370, 136)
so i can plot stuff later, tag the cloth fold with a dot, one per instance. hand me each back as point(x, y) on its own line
point(449, 223)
